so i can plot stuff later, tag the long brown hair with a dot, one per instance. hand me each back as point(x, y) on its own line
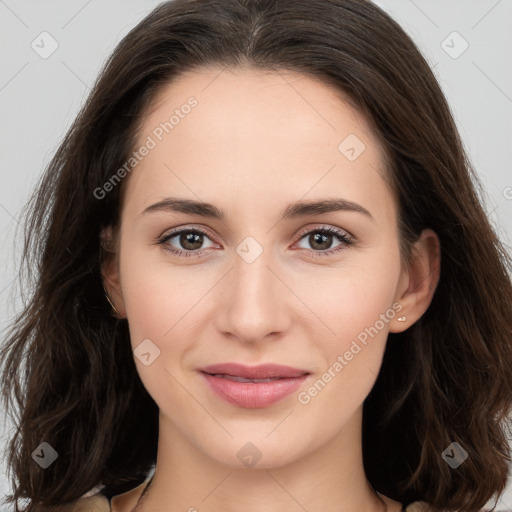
point(448, 378)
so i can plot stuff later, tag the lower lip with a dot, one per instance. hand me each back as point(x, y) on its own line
point(253, 395)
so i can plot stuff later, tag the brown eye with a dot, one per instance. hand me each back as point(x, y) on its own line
point(321, 240)
point(191, 240)
point(185, 242)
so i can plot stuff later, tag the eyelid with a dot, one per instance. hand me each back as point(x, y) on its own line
point(187, 227)
point(168, 234)
point(344, 236)
point(301, 233)
point(325, 227)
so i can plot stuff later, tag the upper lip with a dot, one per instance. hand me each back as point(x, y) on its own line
point(262, 371)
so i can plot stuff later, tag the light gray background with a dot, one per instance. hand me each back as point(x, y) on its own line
point(39, 97)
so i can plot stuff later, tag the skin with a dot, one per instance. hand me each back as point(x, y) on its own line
point(256, 142)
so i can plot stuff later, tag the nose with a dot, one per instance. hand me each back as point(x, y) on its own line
point(254, 302)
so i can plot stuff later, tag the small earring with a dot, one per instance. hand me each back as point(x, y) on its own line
point(402, 318)
point(111, 303)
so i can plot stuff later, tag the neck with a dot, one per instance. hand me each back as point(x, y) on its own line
point(330, 478)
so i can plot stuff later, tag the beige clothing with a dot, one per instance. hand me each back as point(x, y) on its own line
point(99, 503)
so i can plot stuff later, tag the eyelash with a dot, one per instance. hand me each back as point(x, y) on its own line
point(345, 239)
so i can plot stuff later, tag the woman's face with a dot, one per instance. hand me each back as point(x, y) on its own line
point(262, 283)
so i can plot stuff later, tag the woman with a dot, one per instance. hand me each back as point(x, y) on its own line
point(265, 279)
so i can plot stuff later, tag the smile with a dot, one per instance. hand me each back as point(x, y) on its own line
point(253, 387)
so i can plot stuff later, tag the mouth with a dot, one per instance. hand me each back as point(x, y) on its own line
point(242, 379)
point(253, 386)
point(260, 372)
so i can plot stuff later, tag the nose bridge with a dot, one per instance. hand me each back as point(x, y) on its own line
point(254, 303)
point(251, 269)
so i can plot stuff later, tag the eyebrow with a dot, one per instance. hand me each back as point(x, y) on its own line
point(293, 210)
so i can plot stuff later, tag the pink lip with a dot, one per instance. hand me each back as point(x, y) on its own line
point(253, 394)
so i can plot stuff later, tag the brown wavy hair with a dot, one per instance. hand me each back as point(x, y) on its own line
point(67, 362)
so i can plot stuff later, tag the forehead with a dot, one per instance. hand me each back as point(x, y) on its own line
point(277, 106)
point(212, 129)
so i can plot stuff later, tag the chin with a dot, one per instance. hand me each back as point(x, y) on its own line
point(260, 453)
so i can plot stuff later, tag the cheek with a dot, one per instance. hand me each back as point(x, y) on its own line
point(350, 359)
point(355, 307)
point(155, 294)
point(351, 300)
point(166, 305)
point(159, 308)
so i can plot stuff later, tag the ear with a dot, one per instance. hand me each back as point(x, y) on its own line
point(110, 270)
point(418, 282)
